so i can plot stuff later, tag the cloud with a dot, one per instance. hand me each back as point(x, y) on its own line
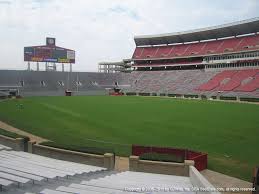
point(5, 3)
point(102, 30)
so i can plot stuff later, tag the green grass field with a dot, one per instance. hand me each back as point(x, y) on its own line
point(228, 132)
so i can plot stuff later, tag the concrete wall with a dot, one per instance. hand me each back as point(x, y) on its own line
point(106, 160)
point(17, 144)
point(199, 181)
point(170, 168)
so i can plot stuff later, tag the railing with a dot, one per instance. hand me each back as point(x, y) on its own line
point(200, 159)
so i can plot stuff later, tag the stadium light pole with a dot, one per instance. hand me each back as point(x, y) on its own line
point(77, 83)
point(68, 81)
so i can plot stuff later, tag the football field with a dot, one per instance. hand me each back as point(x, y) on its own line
point(228, 132)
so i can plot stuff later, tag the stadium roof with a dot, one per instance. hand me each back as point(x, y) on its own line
point(215, 32)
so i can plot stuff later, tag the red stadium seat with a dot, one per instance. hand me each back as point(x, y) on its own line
point(250, 86)
point(216, 80)
point(201, 48)
point(194, 49)
point(149, 52)
point(233, 81)
point(163, 51)
point(237, 79)
point(138, 52)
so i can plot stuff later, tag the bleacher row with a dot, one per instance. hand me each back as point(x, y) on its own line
point(3, 147)
point(25, 173)
point(127, 182)
point(243, 83)
point(199, 49)
point(182, 82)
point(57, 81)
point(233, 80)
point(20, 170)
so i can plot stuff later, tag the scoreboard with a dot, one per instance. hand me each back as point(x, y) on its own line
point(49, 53)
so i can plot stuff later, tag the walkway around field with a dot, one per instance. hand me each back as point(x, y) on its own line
point(32, 137)
point(221, 180)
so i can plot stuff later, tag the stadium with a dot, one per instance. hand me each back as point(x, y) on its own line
point(184, 103)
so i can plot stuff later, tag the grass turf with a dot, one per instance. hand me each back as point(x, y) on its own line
point(12, 135)
point(228, 132)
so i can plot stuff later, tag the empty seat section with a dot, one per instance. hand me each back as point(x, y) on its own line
point(236, 80)
point(211, 47)
point(179, 50)
point(216, 80)
point(250, 86)
point(201, 48)
point(163, 51)
point(118, 182)
point(248, 43)
point(25, 168)
point(149, 52)
point(183, 82)
point(194, 49)
point(3, 147)
point(228, 45)
point(137, 53)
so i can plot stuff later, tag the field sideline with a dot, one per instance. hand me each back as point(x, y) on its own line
point(228, 132)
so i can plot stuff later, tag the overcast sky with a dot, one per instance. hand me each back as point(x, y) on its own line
point(103, 30)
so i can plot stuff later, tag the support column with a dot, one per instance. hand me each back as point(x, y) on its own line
point(70, 67)
point(109, 161)
point(133, 163)
point(38, 66)
point(46, 66)
point(29, 66)
point(30, 146)
point(63, 68)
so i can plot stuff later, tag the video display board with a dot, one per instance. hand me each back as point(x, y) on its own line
point(49, 53)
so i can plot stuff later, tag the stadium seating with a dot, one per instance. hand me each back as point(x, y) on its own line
point(149, 52)
point(243, 83)
point(32, 81)
point(182, 82)
point(21, 168)
point(237, 79)
point(216, 80)
point(126, 182)
point(3, 147)
point(22, 172)
point(233, 80)
point(162, 52)
point(250, 86)
point(200, 48)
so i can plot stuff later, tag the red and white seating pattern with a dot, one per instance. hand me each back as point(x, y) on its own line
point(243, 83)
point(233, 80)
point(199, 49)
